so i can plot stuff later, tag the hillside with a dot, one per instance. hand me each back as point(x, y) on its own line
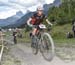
point(63, 14)
point(10, 20)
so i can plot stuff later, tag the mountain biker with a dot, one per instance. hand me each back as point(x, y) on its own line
point(15, 36)
point(37, 19)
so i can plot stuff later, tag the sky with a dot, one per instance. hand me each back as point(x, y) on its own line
point(9, 8)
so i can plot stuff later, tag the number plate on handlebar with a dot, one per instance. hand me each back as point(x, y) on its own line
point(42, 26)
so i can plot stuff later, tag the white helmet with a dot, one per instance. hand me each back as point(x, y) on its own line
point(40, 8)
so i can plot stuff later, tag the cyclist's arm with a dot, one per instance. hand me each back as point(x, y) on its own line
point(48, 22)
point(28, 22)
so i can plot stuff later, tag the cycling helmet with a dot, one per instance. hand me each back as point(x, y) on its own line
point(39, 8)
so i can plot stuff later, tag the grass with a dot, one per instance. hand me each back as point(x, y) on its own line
point(58, 34)
point(25, 38)
point(61, 42)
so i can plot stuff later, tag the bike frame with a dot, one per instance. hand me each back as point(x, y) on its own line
point(41, 31)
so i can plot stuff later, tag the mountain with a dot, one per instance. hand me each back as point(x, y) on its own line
point(57, 2)
point(47, 6)
point(21, 21)
point(5, 22)
point(11, 20)
point(19, 14)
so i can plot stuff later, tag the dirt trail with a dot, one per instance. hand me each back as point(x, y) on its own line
point(24, 54)
point(21, 54)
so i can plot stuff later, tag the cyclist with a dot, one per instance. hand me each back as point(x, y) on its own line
point(37, 19)
point(15, 36)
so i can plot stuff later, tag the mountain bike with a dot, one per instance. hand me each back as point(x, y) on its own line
point(43, 42)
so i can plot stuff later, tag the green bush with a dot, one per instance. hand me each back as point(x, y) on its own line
point(62, 21)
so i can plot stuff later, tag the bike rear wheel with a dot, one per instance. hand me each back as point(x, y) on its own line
point(34, 45)
point(47, 47)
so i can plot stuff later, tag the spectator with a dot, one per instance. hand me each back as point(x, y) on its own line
point(73, 28)
point(69, 35)
point(0, 34)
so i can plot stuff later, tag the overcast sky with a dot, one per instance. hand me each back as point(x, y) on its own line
point(10, 7)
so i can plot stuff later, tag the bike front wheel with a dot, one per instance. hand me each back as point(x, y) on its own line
point(47, 47)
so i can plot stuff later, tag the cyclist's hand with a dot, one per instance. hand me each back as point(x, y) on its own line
point(31, 25)
point(51, 24)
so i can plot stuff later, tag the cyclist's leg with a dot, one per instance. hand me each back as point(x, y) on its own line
point(34, 31)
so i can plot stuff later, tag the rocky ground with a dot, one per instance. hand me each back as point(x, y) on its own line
point(21, 54)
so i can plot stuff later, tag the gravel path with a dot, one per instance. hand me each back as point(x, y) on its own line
point(24, 54)
point(21, 54)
